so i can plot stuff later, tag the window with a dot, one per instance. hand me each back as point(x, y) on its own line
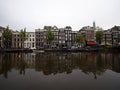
point(59, 41)
point(14, 44)
point(32, 44)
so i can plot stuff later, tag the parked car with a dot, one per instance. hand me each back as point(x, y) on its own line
point(64, 48)
point(53, 47)
point(74, 47)
point(87, 48)
point(33, 48)
point(41, 48)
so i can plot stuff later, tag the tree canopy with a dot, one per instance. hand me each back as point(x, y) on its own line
point(49, 35)
point(7, 33)
point(99, 34)
point(79, 38)
point(23, 35)
point(7, 37)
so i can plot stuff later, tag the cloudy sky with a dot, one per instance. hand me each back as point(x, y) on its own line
point(34, 14)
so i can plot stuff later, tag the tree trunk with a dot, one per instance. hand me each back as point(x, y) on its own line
point(23, 44)
point(49, 45)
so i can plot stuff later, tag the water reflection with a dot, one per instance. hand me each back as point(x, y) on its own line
point(54, 63)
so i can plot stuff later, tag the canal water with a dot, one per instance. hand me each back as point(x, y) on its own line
point(60, 71)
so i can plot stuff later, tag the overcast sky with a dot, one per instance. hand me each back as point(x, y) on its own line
point(34, 14)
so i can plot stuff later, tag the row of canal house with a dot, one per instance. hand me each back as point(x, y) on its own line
point(63, 37)
point(112, 36)
point(17, 41)
point(1, 39)
point(88, 33)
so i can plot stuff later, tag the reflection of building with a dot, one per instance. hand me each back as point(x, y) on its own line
point(54, 63)
point(30, 41)
point(111, 61)
point(30, 60)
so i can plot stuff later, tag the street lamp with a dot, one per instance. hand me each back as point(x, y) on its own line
point(105, 39)
point(112, 39)
point(118, 36)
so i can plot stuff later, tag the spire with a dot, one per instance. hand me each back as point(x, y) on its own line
point(94, 26)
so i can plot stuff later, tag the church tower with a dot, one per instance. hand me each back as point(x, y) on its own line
point(94, 26)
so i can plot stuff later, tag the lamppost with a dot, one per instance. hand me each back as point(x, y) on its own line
point(118, 37)
point(0, 40)
point(105, 39)
point(112, 38)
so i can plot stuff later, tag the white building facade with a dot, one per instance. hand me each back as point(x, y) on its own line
point(30, 41)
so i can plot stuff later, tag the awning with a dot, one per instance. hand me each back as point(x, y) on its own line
point(91, 43)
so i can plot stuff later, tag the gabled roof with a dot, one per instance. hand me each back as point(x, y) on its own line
point(2, 28)
point(86, 28)
point(115, 28)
